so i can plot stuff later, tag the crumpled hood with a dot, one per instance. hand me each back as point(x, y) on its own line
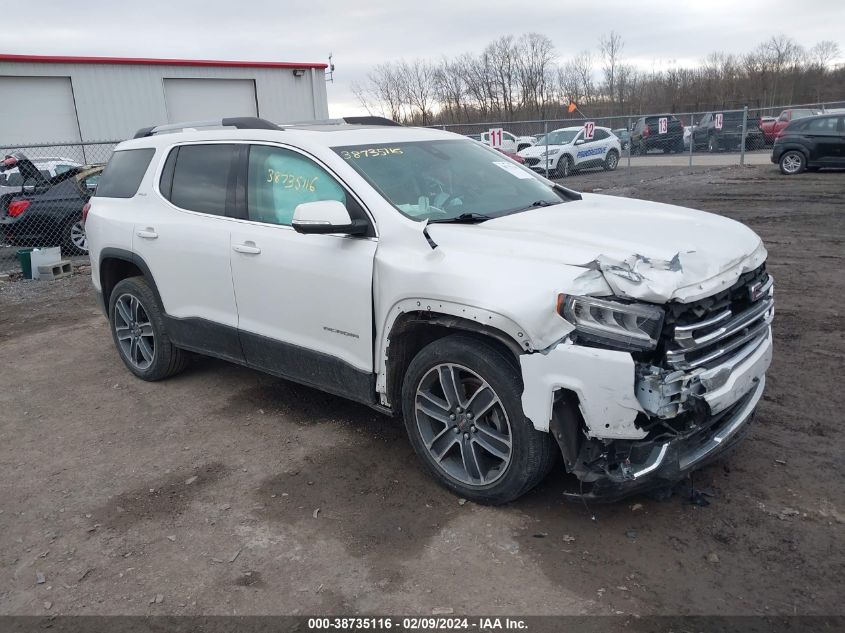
point(643, 250)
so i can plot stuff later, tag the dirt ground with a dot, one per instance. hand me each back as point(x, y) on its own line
point(226, 491)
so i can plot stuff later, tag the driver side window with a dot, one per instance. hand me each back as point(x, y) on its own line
point(278, 180)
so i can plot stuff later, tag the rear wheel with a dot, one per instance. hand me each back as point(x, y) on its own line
point(74, 239)
point(139, 334)
point(461, 400)
point(611, 160)
point(792, 162)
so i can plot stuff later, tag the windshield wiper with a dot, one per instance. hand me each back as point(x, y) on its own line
point(537, 204)
point(463, 218)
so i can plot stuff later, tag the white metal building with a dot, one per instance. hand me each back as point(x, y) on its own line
point(54, 100)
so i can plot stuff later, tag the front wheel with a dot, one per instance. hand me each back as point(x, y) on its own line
point(461, 401)
point(139, 334)
point(563, 168)
point(792, 162)
point(611, 161)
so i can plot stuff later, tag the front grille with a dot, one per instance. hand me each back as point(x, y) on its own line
point(532, 161)
point(711, 331)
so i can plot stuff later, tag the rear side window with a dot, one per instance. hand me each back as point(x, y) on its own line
point(201, 176)
point(124, 172)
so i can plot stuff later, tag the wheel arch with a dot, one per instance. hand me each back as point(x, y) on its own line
point(417, 323)
point(117, 264)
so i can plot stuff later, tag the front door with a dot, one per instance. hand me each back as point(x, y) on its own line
point(304, 301)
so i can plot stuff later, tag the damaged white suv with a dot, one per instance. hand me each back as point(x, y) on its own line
point(507, 319)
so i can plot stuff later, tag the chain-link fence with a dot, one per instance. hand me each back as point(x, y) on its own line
point(557, 147)
point(43, 189)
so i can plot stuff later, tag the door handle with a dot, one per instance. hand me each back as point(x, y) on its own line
point(248, 248)
point(148, 234)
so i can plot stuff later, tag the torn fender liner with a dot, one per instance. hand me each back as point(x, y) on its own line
point(602, 379)
point(685, 277)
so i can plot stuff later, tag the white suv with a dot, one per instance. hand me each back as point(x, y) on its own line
point(507, 319)
point(568, 149)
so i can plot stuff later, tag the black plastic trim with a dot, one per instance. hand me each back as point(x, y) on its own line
point(370, 120)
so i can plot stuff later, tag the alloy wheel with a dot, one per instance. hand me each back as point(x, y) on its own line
point(463, 425)
point(791, 163)
point(134, 331)
point(78, 237)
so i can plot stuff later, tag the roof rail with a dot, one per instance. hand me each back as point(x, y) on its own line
point(349, 120)
point(240, 122)
point(370, 120)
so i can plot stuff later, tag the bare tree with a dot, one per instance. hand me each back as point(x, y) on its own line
point(824, 53)
point(610, 47)
point(536, 54)
point(418, 81)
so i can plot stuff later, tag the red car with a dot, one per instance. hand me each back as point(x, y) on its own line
point(512, 156)
point(773, 128)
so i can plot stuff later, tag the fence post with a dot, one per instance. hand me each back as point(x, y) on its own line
point(630, 142)
point(744, 132)
point(691, 137)
point(546, 136)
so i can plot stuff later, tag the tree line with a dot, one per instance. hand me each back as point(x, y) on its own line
point(522, 77)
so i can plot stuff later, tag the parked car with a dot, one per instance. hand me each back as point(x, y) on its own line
point(510, 142)
point(647, 136)
point(511, 155)
point(569, 151)
point(624, 137)
point(505, 317)
point(772, 129)
point(723, 131)
point(49, 211)
point(12, 180)
point(811, 143)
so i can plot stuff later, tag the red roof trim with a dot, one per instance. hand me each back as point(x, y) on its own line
point(148, 61)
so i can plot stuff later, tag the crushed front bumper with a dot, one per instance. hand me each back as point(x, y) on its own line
point(619, 440)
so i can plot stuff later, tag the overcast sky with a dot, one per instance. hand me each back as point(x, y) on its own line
point(362, 33)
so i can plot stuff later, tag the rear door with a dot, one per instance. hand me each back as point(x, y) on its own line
point(825, 138)
point(183, 237)
point(593, 150)
point(305, 307)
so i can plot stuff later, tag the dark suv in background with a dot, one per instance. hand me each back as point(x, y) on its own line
point(714, 135)
point(811, 143)
point(646, 134)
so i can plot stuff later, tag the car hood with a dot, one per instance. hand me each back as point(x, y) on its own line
point(642, 250)
point(537, 150)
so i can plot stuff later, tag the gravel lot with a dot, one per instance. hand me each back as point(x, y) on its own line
point(226, 491)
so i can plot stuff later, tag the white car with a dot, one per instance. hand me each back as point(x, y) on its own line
point(504, 317)
point(568, 149)
point(510, 142)
point(12, 181)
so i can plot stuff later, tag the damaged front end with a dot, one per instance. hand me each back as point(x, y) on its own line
point(626, 421)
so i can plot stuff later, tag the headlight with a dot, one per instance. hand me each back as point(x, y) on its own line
point(627, 326)
point(552, 152)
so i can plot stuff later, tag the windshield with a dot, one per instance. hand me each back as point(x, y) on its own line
point(445, 179)
point(560, 137)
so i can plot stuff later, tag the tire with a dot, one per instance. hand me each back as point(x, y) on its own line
point(566, 170)
point(143, 343)
point(74, 240)
point(611, 161)
point(480, 370)
point(712, 144)
point(792, 162)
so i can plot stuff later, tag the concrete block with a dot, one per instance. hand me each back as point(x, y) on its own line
point(55, 271)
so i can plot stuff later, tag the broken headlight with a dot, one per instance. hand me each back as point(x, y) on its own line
point(627, 326)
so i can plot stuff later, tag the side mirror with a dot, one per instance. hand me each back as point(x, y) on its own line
point(580, 141)
point(324, 217)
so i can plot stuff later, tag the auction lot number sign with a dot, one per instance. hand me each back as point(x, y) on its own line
point(662, 125)
point(495, 134)
point(589, 130)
